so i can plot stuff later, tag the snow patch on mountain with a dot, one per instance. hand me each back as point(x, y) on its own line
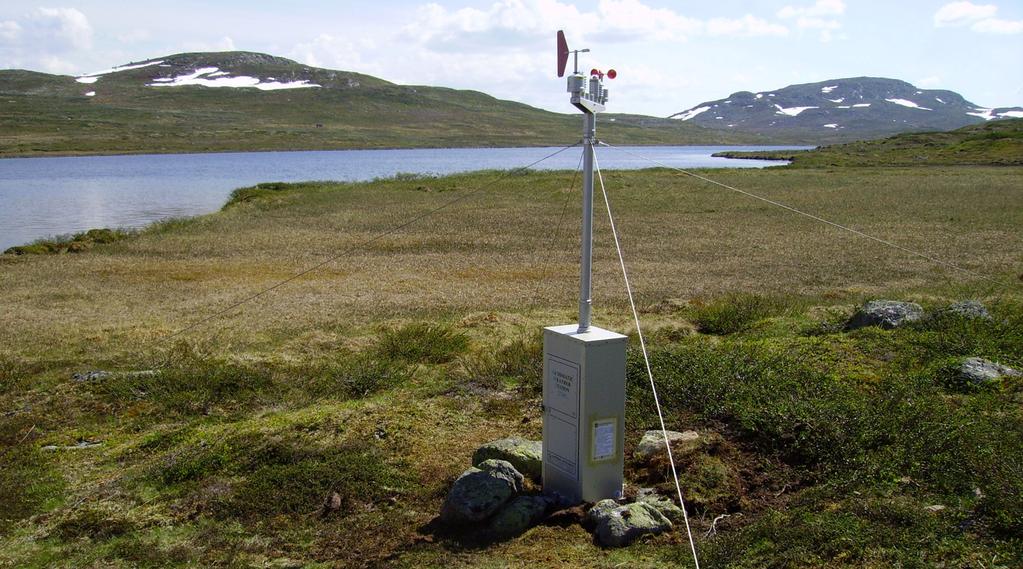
point(691, 113)
point(908, 103)
point(828, 89)
point(93, 77)
point(990, 114)
point(791, 111)
point(214, 77)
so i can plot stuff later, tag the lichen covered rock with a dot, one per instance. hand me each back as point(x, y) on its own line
point(652, 444)
point(518, 515)
point(525, 455)
point(886, 314)
point(480, 492)
point(979, 371)
point(616, 525)
point(663, 505)
point(969, 309)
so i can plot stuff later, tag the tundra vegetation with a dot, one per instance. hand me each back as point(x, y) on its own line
point(369, 382)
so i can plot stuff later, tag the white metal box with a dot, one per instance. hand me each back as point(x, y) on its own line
point(583, 413)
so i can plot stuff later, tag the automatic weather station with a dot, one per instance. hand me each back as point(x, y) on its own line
point(583, 365)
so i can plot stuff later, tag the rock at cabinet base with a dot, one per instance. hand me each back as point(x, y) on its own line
point(479, 492)
point(520, 514)
point(525, 455)
point(616, 525)
point(652, 444)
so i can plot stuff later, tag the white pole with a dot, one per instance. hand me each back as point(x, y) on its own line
point(585, 271)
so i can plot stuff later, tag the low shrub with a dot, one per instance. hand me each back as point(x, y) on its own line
point(422, 342)
point(736, 312)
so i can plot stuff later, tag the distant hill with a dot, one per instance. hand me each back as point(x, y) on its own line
point(841, 109)
point(998, 143)
point(195, 102)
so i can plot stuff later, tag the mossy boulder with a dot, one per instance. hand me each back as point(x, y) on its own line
point(525, 455)
point(616, 525)
point(663, 505)
point(972, 309)
point(652, 446)
point(479, 492)
point(979, 371)
point(886, 314)
point(518, 515)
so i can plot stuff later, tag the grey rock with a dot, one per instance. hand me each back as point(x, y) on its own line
point(652, 443)
point(969, 309)
point(663, 505)
point(98, 375)
point(978, 371)
point(479, 492)
point(887, 314)
point(617, 525)
point(90, 376)
point(518, 515)
point(601, 510)
point(525, 455)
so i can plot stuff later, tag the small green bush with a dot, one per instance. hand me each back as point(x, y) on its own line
point(422, 342)
point(355, 377)
point(734, 313)
point(298, 481)
point(520, 362)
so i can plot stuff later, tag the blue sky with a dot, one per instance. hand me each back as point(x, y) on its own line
point(670, 55)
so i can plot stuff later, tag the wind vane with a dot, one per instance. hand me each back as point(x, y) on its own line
point(584, 366)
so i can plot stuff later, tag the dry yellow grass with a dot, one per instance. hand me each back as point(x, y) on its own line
point(507, 249)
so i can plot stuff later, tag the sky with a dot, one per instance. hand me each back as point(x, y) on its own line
point(670, 56)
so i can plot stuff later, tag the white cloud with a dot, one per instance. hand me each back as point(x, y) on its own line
point(747, 26)
point(135, 35)
point(818, 9)
point(44, 39)
point(63, 28)
point(333, 52)
point(980, 17)
point(998, 26)
point(959, 13)
point(633, 20)
point(9, 31)
point(820, 16)
point(529, 24)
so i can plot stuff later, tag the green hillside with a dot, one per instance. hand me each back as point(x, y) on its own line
point(997, 143)
point(47, 114)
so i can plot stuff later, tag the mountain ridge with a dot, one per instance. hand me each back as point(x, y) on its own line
point(851, 108)
point(247, 101)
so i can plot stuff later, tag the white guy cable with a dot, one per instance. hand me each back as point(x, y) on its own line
point(646, 360)
point(814, 217)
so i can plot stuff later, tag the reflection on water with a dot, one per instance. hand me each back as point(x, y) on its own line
point(41, 197)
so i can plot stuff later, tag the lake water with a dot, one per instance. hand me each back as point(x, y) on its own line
point(43, 197)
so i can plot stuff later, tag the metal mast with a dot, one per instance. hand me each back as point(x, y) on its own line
point(590, 101)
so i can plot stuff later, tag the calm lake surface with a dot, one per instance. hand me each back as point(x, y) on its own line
point(43, 197)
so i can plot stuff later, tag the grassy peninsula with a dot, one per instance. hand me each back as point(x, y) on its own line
point(375, 377)
point(994, 143)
